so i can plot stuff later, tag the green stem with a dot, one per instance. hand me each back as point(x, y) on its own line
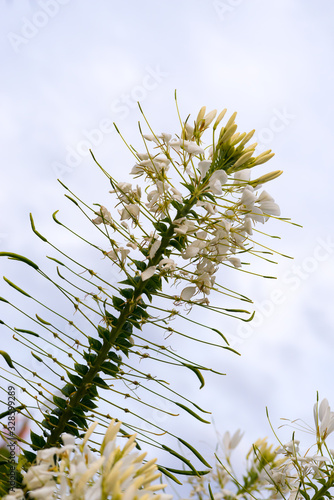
point(102, 356)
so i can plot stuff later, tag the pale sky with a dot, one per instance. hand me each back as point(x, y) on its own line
point(72, 67)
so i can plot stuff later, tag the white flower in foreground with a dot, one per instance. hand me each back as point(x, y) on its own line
point(326, 417)
point(217, 179)
point(104, 217)
point(188, 292)
point(231, 442)
point(77, 474)
point(148, 273)
point(167, 265)
point(131, 211)
point(290, 448)
point(203, 167)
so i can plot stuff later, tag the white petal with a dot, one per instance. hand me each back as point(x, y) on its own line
point(264, 196)
point(257, 215)
point(203, 167)
point(235, 261)
point(247, 198)
point(154, 248)
point(219, 175)
point(324, 405)
point(148, 273)
point(68, 439)
point(188, 292)
point(242, 175)
point(269, 207)
point(191, 251)
point(192, 148)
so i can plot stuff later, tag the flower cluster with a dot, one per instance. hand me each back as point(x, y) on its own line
point(200, 200)
point(276, 473)
point(75, 473)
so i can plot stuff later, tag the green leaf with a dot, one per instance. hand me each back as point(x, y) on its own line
point(126, 292)
point(140, 265)
point(30, 456)
point(104, 333)
point(95, 344)
point(81, 369)
point(12, 410)
point(68, 389)
point(100, 382)
point(109, 368)
point(118, 303)
point(114, 357)
point(87, 402)
point(37, 441)
point(89, 357)
point(60, 402)
point(176, 244)
point(77, 381)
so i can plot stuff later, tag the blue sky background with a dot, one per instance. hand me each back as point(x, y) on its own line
point(71, 67)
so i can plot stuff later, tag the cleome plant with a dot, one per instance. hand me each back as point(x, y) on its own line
point(191, 209)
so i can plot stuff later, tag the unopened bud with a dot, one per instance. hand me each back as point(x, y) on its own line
point(201, 114)
point(226, 133)
point(247, 138)
point(210, 117)
point(266, 178)
point(243, 159)
point(219, 118)
point(231, 120)
point(263, 158)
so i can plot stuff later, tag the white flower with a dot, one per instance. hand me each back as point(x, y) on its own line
point(105, 217)
point(185, 226)
point(154, 248)
point(118, 254)
point(188, 292)
point(190, 147)
point(148, 273)
point(231, 442)
point(290, 448)
point(235, 261)
point(217, 179)
point(116, 473)
point(16, 494)
point(242, 175)
point(167, 265)
point(203, 167)
point(131, 211)
point(326, 417)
